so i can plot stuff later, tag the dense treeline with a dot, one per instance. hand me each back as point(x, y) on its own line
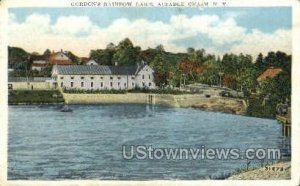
point(238, 72)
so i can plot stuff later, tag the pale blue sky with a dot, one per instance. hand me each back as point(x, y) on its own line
point(266, 20)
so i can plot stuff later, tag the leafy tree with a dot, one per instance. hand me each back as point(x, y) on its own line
point(161, 68)
point(18, 58)
point(111, 46)
point(126, 53)
point(160, 48)
point(260, 62)
point(47, 53)
point(75, 59)
point(103, 57)
point(211, 73)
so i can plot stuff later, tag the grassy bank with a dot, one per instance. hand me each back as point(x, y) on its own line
point(34, 97)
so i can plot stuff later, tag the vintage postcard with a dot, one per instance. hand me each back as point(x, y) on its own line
point(149, 92)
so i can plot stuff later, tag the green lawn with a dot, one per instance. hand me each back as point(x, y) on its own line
point(34, 96)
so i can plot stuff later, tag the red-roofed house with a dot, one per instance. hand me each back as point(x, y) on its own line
point(269, 73)
point(60, 58)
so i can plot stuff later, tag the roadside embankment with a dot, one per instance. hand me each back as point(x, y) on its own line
point(219, 104)
point(277, 171)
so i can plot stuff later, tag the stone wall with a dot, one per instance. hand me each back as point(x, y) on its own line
point(221, 104)
point(31, 85)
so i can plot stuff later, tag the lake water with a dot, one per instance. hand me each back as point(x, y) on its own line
point(45, 143)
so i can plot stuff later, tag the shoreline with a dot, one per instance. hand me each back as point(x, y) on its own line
point(277, 171)
point(196, 101)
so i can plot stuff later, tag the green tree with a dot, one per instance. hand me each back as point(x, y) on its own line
point(211, 73)
point(260, 63)
point(47, 53)
point(161, 66)
point(18, 58)
point(103, 57)
point(75, 59)
point(126, 53)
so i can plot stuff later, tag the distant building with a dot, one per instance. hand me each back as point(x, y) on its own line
point(84, 60)
point(39, 62)
point(103, 77)
point(60, 58)
point(269, 73)
point(91, 62)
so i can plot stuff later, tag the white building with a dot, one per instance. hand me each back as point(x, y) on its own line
point(102, 77)
point(91, 62)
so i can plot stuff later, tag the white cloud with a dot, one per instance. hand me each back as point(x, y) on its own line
point(257, 41)
point(79, 34)
point(73, 25)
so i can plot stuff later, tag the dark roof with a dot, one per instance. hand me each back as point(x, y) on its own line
point(96, 70)
point(61, 62)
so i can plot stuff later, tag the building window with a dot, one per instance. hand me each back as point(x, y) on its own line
point(118, 84)
point(143, 84)
point(149, 84)
point(132, 77)
point(133, 84)
point(111, 77)
point(72, 77)
point(143, 76)
point(101, 84)
point(92, 77)
point(82, 84)
point(62, 77)
point(111, 84)
point(101, 77)
point(82, 77)
point(124, 84)
point(149, 76)
point(119, 77)
point(92, 84)
point(72, 84)
point(61, 84)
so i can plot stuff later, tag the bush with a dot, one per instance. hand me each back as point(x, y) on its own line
point(256, 108)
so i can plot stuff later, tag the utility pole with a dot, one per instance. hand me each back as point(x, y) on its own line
point(220, 75)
